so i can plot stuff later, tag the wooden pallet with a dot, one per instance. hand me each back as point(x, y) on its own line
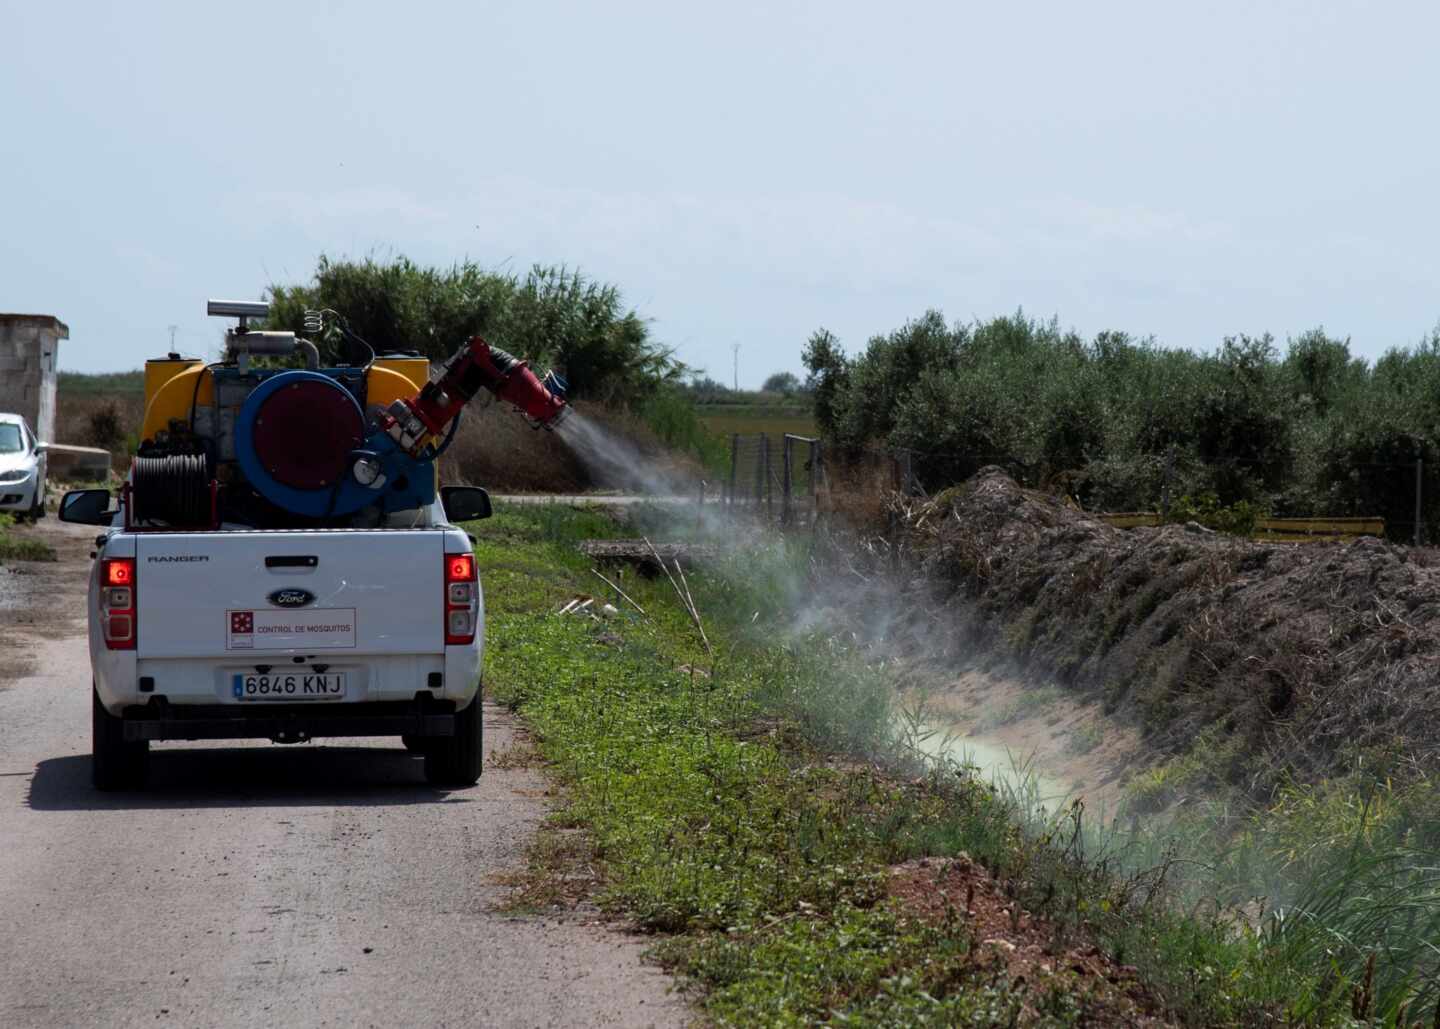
point(638, 551)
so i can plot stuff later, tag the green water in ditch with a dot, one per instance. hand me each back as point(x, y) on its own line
point(1012, 773)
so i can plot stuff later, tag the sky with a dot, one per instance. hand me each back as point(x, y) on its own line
point(744, 172)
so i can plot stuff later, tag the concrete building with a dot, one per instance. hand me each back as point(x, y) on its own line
point(29, 352)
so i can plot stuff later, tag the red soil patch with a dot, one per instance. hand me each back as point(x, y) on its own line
point(1036, 956)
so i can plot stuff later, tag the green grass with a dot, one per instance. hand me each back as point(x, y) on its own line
point(13, 548)
point(739, 807)
point(1348, 867)
point(748, 420)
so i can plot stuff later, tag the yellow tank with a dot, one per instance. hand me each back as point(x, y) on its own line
point(169, 388)
point(160, 370)
point(391, 378)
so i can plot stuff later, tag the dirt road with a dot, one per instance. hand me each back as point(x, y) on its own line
point(255, 884)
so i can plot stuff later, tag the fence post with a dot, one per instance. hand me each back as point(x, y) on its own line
point(1419, 478)
point(734, 458)
point(759, 475)
point(787, 447)
point(769, 489)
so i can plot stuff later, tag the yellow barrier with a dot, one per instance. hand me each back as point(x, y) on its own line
point(1129, 519)
point(1312, 530)
point(1272, 530)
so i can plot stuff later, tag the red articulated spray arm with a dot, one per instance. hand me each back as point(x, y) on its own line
point(412, 422)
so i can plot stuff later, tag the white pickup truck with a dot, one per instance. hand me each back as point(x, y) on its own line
point(285, 634)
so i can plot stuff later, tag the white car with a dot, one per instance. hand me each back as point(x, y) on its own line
point(22, 468)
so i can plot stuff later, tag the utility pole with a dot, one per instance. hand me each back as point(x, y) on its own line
point(736, 348)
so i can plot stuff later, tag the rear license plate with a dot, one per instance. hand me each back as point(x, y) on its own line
point(289, 686)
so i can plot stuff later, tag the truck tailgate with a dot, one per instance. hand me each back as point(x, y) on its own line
point(232, 594)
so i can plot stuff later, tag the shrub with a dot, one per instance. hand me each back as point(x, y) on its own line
point(829, 378)
point(782, 382)
point(673, 420)
point(1238, 519)
point(105, 428)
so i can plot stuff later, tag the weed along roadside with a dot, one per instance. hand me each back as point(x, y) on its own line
point(759, 813)
point(19, 546)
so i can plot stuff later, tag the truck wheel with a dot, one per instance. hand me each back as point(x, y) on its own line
point(455, 760)
point(114, 763)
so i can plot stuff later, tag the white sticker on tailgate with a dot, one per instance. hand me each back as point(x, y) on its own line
point(263, 629)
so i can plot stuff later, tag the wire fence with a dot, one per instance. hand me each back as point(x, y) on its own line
point(776, 478)
point(793, 480)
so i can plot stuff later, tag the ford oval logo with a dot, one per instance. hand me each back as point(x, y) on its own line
point(291, 598)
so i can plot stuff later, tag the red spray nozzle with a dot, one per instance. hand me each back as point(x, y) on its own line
point(542, 405)
point(477, 365)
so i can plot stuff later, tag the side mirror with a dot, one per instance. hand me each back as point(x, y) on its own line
point(465, 503)
point(87, 507)
point(40, 448)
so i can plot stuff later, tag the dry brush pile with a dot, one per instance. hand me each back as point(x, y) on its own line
point(1272, 663)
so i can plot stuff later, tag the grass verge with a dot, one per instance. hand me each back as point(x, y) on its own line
point(755, 810)
point(19, 548)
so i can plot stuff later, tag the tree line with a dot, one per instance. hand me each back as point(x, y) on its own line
point(1113, 420)
point(551, 315)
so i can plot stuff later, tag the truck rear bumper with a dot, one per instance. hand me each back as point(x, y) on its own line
point(159, 720)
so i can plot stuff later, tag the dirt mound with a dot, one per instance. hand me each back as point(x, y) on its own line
point(1040, 957)
point(1264, 660)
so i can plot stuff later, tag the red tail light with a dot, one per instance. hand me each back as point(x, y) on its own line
point(459, 567)
point(117, 602)
point(462, 599)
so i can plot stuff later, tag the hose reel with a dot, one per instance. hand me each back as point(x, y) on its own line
point(174, 489)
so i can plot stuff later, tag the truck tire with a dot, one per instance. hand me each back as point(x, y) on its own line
point(114, 763)
point(456, 760)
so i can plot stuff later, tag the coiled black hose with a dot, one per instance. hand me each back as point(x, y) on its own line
point(173, 489)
